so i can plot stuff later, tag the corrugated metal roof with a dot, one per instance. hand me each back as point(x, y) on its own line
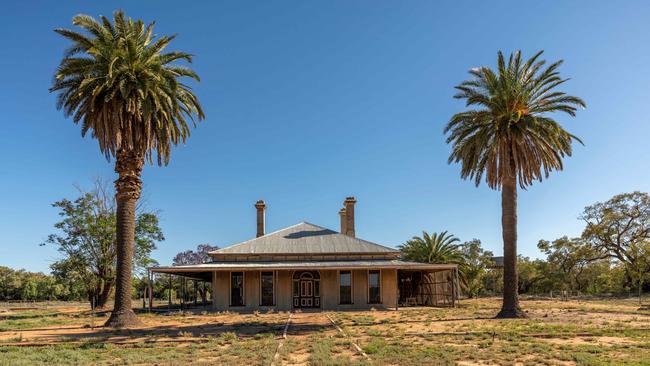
point(304, 238)
point(295, 265)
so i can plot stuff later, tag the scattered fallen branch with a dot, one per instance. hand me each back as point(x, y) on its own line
point(276, 357)
point(356, 346)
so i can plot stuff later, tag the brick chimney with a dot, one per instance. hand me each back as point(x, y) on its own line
point(349, 215)
point(261, 208)
point(343, 220)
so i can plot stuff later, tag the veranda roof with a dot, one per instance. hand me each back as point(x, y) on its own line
point(303, 265)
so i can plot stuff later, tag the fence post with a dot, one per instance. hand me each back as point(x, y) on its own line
point(169, 305)
point(150, 290)
point(92, 313)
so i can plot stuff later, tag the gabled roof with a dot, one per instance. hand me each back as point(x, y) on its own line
point(305, 238)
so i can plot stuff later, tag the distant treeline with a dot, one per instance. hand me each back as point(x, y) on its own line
point(22, 285)
point(543, 277)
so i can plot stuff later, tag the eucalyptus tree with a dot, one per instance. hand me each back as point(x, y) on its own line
point(569, 260)
point(507, 137)
point(475, 266)
point(85, 237)
point(619, 228)
point(119, 83)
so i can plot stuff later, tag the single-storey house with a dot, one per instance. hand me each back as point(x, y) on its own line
point(309, 266)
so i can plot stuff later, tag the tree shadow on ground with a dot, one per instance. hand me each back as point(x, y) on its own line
point(244, 329)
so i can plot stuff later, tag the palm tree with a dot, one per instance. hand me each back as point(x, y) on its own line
point(116, 80)
point(435, 248)
point(508, 137)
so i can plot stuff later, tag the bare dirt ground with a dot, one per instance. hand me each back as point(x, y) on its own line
point(313, 339)
point(594, 332)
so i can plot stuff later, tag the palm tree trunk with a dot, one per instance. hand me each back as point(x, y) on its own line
point(128, 166)
point(510, 307)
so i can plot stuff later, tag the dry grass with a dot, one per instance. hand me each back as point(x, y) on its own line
point(604, 332)
point(557, 333)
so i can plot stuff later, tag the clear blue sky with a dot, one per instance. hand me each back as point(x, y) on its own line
point(311, 101)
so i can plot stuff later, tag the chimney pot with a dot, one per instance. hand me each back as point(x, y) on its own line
point(261, 217)
point(349, 216)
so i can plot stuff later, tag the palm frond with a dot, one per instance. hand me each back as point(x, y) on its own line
point(115, 80)
point(508, 129)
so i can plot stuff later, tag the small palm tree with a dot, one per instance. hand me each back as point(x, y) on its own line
point(435, 248)
point(508, 138)
point(117, 81)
